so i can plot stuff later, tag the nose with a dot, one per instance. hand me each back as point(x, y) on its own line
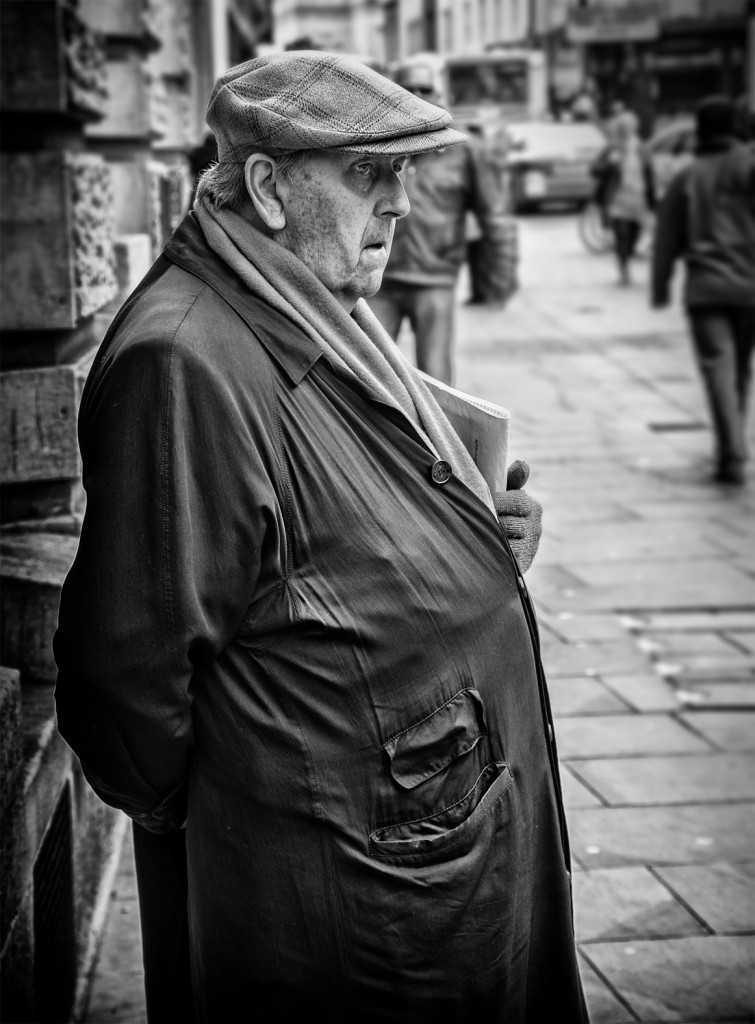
point(394, 201)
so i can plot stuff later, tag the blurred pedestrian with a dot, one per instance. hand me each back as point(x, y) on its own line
point(745, 115)
point(429, 246)
point(707, 219)
point(295, 645)
point(584, 106)
point(628, 189)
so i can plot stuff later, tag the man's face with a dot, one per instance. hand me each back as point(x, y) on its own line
point(340, 212)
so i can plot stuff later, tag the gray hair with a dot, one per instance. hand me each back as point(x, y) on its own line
point(224, 186)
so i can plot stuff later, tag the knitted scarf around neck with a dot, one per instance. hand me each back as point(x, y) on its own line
point(356, 345)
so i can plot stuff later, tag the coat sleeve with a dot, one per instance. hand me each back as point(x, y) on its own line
point(669, 242)
point(168, 558)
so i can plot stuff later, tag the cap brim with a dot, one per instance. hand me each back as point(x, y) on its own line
point(408, 145)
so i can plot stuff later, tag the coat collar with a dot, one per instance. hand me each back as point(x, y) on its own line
point(188, 249)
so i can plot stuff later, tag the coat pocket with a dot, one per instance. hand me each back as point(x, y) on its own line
point(425, 748)
point(448, 832)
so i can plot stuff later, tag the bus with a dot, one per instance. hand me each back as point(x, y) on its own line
point(487, 91)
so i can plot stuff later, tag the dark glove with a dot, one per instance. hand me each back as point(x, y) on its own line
point(521, 515)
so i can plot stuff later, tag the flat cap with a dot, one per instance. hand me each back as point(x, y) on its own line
point(309, 99)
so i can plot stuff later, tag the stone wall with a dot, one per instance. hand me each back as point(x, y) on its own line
point(98, 110)
point(57, 271)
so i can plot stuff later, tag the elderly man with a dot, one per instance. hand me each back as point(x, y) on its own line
point(295, 637)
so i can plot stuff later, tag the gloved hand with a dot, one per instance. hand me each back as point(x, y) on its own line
point(521, 515)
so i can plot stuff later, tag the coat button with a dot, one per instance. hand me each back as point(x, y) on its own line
point(440, 472)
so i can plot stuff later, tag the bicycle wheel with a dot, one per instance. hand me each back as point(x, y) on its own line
point(596, 237)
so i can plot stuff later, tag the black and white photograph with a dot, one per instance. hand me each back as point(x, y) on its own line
point(377, 512)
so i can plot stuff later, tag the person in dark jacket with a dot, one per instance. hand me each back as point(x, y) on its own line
point(430, 246)
point(295, 645)
point(707, 219)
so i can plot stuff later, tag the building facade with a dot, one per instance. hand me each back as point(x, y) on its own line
point(660, 57)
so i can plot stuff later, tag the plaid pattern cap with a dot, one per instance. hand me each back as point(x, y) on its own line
point(307, 99)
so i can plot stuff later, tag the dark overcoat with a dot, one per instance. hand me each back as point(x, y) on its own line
point(280, 629)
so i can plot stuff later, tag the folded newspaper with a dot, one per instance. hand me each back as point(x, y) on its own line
point(482, 426)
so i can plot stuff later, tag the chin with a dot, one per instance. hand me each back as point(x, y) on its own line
point(372, 287)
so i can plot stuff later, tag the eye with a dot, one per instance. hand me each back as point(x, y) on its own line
point(400, 165)
point(366, 168)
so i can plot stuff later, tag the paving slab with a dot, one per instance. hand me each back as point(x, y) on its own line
point(694, 621)
point(624, 903)
point(675, 779)
point(677, 526)
point(573, 628)
point(575, 793)
point(583, 514)
point(583, 695)
point(645, 692)
point(731, 665)
point(694, 834)
point(712, 573)
point(745, 639)
point(602, 1002)
point(733, 544)
point(633, 541)
point(729, 511)
point(678, 588)
point(722, 895)
point(561, 478)
point(701, 642)
point(727, 730)
point(620, 735)
point(688, 979)
point(710, 695)
point(591, 658)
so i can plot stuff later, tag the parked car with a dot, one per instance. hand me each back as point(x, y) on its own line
point(670, 148)
point(550, 162)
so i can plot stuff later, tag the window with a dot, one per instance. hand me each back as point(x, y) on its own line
point(488, 82)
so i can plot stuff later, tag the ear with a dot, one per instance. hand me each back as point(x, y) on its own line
point(261, 184)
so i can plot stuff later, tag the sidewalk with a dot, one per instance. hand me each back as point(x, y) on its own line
point(645, 585)
point(646, 598)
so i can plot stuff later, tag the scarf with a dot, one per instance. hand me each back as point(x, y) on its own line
point(356, 345)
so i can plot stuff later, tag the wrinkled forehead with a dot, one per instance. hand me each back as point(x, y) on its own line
point(338, 159)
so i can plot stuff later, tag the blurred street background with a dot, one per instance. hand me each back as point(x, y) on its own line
point(645, 577)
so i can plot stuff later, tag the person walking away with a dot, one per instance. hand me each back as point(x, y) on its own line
point(429, 246)
point(584, 106)
point(605, 170)
point(630, 197)
point(707, 219)
point(295, 645)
